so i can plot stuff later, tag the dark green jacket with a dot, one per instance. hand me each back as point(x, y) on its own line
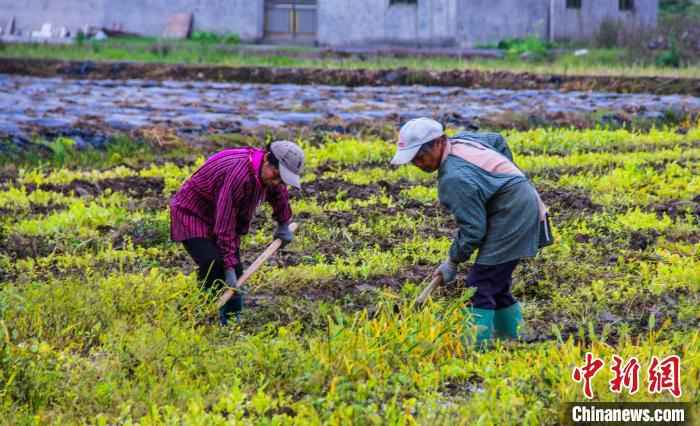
point(498, 213)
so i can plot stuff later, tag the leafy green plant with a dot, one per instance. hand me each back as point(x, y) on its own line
point(669, 57)
point(210, 37)
point(63, 149)
point(532, 45)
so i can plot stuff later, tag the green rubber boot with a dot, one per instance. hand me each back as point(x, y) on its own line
point(483, 320)
point(507, 320)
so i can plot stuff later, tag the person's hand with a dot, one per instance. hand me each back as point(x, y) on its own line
point(447, 270)
point(284, 234)
point(231, 277)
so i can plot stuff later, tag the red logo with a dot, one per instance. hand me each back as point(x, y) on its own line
point(586, 373)
point(663, 375)
point(625, 377)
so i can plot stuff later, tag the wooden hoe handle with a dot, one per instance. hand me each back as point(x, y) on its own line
point(427, 290)
point(269, 251)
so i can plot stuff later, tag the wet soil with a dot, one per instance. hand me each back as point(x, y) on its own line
point(19, 246)
point(8, 175)
point(676, 209)
point(360, 77)
point(328, 190)
point(135, 186)
point(141, 234)
point(641, 240)
point(566, 204)
point(209, 115)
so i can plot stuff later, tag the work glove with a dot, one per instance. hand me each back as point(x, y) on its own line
point(231, 277)
point(448, 270)
point(239, 270)
point(284, 234)
point(233, 307)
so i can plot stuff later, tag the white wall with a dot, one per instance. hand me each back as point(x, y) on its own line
point(346, 22)
point(584, 23)
point(490, 21)
point(30, 15)
point(147, 17)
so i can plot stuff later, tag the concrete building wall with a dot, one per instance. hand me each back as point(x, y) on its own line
point(244, 17)
point(352, 22)
point(490, 21)
point(347, 22)
point(584, 23)
point(437, 21)
point(147, 17)
point(400, 23)
point(30, 15)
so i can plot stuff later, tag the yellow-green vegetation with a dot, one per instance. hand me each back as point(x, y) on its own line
point(101, 321)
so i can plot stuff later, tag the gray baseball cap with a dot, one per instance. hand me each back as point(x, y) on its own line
point(291, 159)
point(414, 134)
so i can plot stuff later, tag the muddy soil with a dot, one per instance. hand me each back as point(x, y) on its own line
point(8, 175)
point(21, 246)
point(328, 190)
point(641, 240)
point(564, 205)
point(676, 209)
point(388, 77)
point(135, 186)
point(212, 114)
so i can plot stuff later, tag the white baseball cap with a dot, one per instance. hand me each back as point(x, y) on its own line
point(414, 134)
point(291, 159)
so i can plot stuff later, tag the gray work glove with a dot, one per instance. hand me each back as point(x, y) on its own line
point(231, 277)
point(284, 234)
point(448, 270)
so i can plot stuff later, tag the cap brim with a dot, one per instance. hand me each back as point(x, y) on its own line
point(404, 156)
point(289, 177)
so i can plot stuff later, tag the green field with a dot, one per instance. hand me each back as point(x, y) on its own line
point(101, 321)
point(619, 62)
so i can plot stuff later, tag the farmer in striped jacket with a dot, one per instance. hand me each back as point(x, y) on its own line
point(498, 211)
point(215, 206)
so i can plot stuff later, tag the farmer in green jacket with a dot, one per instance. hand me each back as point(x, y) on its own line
point(498, 211)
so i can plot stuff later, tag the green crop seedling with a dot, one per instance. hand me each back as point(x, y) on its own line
point(101, 321)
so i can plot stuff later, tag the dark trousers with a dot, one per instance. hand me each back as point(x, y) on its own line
point(212, 273)
point(493, 284)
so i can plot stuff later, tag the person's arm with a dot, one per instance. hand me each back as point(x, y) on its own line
point(278, 197)
point(468, 205)
point(228, 201)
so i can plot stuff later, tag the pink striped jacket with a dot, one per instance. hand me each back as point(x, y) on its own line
point(219, 200)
